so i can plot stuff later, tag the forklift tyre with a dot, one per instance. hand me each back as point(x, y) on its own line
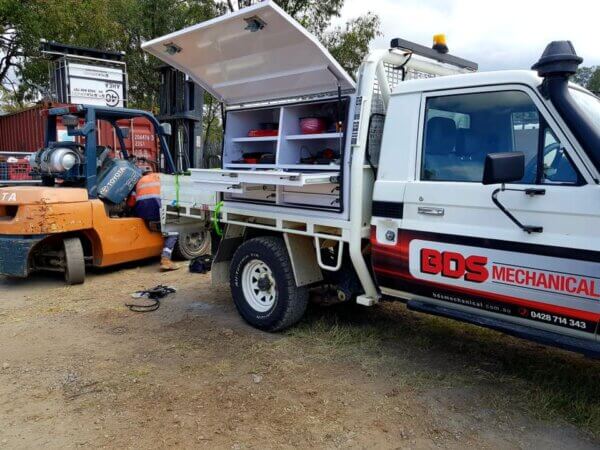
point(192, 245)
point(74, 261)
point(263, 286)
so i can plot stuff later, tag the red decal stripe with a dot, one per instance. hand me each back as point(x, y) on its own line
point(575, 313)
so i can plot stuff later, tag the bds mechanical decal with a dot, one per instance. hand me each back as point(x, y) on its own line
point(558, 291)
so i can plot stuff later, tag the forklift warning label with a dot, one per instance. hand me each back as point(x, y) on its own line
point(535, 279)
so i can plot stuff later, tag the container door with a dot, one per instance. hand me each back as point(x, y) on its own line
point(457, 249)
point(254, 54)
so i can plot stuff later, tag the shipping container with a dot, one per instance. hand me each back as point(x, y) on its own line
point(24, 132)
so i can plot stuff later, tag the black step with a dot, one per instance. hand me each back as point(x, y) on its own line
point(589, 348)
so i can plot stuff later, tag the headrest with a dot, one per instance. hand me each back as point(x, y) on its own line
point(441, 135)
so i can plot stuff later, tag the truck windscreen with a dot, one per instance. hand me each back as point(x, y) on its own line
point(589, 104)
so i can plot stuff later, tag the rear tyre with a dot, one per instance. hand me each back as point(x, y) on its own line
point(263, 287)
point(74, 261)
point(191, 245)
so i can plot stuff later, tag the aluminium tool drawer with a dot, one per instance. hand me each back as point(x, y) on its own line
point(221, 180)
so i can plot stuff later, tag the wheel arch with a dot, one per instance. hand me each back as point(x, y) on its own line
point(89, 240)
point(300, 249)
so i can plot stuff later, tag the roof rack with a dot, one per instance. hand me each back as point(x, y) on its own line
point(54, 50)
point(433, 54)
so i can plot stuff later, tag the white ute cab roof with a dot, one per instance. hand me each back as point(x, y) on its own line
point(258, 53)
point(469, 80)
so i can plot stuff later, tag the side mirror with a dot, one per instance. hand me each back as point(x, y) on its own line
point(124, 132)
point(165, 129)
point(503, 167)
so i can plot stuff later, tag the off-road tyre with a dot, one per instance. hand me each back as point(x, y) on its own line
point(189, 246)
point(74, 261)
point(290, 301)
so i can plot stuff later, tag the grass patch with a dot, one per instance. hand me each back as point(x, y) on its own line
point(139, 372)
point(546, 382)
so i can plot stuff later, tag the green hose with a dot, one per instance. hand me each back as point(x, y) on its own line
point(215, 219)
point(177, 190)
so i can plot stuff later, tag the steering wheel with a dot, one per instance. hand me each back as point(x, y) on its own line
point(531, 167)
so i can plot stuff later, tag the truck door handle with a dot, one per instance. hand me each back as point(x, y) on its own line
point(429, 211)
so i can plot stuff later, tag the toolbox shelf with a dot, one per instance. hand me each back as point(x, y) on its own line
point(250, 166)
point(256, 139)
point(305, 137)
point(309, 166)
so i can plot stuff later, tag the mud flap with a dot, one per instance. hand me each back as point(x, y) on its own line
point(14, 254)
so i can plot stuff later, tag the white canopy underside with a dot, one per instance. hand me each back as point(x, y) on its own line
point(236, 65)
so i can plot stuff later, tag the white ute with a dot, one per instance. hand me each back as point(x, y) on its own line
point(473, 196)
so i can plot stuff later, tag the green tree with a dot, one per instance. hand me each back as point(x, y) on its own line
point(123, 25)
point(588, 77)
point(594, 81)
point(350, 44)
point(120, 25)
point(25, 22)
point(583, 75)
point(144, 20)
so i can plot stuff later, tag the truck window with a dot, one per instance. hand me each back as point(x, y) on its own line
point(460, 130)
point(557, 167)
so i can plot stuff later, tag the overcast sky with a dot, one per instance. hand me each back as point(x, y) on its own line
point(500, 34)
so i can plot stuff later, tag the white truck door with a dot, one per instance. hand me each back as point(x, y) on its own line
point(454, 247)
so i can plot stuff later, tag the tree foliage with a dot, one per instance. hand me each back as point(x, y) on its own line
point(588, 77)
point(594, 82)
point(583, 75)
point(144, 20)
point(315, 16)
point(24, 22)
point(123, 25)
point(350, 44)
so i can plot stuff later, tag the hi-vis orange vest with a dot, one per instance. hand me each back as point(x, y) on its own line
point(147, 196)
point(148, 187)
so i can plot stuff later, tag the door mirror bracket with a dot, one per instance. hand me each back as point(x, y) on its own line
point(505, 168)
point(531, 193)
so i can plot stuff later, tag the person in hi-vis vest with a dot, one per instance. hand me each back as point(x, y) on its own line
point(145, 201)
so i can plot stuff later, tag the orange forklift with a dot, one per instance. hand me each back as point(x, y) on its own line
point(80, 216)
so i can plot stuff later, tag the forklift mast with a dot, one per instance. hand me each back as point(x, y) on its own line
point(90, 114)
point(181, 103)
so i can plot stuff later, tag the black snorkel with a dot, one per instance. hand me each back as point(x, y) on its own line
point(559, 62)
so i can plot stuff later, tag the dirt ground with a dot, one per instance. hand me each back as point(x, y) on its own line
point(77, 368)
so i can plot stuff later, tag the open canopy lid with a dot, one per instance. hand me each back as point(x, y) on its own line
point(254, 54)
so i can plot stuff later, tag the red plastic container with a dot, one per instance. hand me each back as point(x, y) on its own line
point(19, 171)
point(313, 125)
point(262, 133)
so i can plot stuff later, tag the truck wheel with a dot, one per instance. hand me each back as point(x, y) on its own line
point(263, 286)
point(74, 261)
point(192, 245)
